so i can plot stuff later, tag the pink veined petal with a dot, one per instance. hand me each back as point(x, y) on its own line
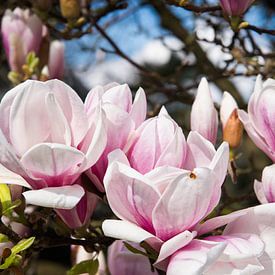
point(219, 166)
point(239, 246)
point(139, 108)
point(119, 125)
point(81, 213)
point(200, 151)
point(175, 152)
point(260, 192)
point(240, 267)
point(60, 130)
point(169, 247)
point(93, 99)
point(95, 141)
point(265, 190)
point(120, 96)
point(26, 128)
point(8, 157)
point(119, 156)
point(195, 258)
point(130, 196)
point(217, 222)
point(254, 135)
point(190, 191)
point(259, 220)
point(161, 177)
point(63, 197)
point(128, 231)
point(5, 107)
point(204, 116)
point(72, 107)
point(57, 164)
point(9, 177)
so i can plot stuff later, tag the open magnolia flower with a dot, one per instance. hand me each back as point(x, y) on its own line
point(47, 139)
point(153, 206)
point(259, 121)
point(122, 117)
point(245, 247)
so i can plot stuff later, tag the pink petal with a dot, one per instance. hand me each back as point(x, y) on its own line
point(57, 164)
point(195, 258)
point(188, 191)
point(64, 197)
point(204, 116)
point(259, 220)
point(200, 151)
point(128, 231)
point(120, 96)
point(139, 108)
point(129, 195)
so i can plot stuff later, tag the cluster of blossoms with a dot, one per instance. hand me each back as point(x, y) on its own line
point(161, 185)
point(29, 52)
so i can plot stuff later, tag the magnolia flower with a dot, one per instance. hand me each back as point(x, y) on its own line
point(21, 34)
point(152, 206)
point(259, 121)
point(157, 142)
point(122, 117)
point(204, 116)
point(47, 139)
point(235, 7)
point(265, 190)
point(123, 262)
point(232, 127)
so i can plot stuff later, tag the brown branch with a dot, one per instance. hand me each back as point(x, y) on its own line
point(172, 23)
point(193, 8)
point(260, 30)
point(14, 237)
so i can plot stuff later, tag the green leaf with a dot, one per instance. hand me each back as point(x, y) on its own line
point(134, 250)
point(89, 266)
point(23, 245)
point(15, 259)
point(8, 261)
point(5, 197)
point(3, 238)
point(11, 206)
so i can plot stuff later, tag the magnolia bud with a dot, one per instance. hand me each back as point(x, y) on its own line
point(70, 9)
point(233, 130)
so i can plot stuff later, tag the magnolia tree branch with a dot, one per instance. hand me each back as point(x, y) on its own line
point(190, 7)
point(172, 23)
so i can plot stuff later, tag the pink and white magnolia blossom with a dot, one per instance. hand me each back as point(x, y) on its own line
point(235, 7)
point(204, 116)
point(122, 117)
point(157, 142)
point(47, 139)
point(21, 34)
point(265, 190)
point(164, 205)
point(259, 121)
point(123, 262)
